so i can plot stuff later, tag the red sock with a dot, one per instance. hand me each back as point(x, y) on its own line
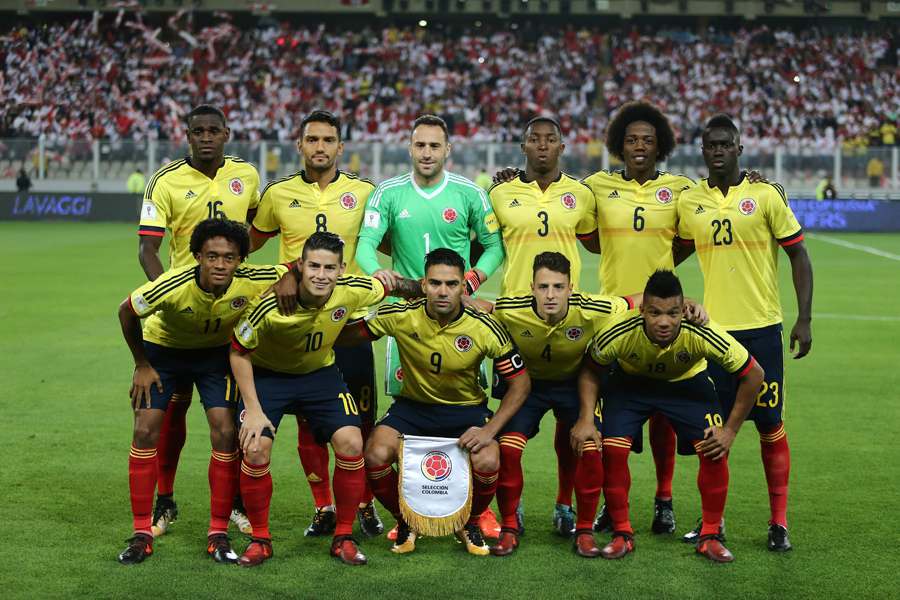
point(223, 485)
point(171, 440)
point(256, 490)
point(567, 464)
point(143, 470)
point(663, 443)
point(510, 483)
point(617, 481)
point(712, 479)
point(349, 481)
point(484, 486)
point(314, 458)
point(776, 457)
point(385, 484)
point(367, 495)
point(588, 485)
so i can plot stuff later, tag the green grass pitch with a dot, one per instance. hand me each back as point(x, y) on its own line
point(67, 427)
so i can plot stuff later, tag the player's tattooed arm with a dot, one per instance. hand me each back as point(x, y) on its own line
point(801, 271)
point(144, 373)
point(411, 289)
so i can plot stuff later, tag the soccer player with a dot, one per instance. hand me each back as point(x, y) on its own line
point(736, 227)
point(426, 209)
point(204, 185)
point(323, 198)
point(441, 346)
point(662, 368)
point(190, 312)
point(286, 362)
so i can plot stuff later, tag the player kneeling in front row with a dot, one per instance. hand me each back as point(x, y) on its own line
point(441, 345)
point(662, 367)
point(191, 311)
point(287, 362)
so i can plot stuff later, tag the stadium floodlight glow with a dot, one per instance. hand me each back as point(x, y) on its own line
point(481, 59)
point(796, 79)
point(423, 23)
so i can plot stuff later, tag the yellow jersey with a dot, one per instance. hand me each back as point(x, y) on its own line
point(533, 221)
point(296, 208)
point(554, 352)
point(182, 315)
point(179, 196)
point(637, 224)
point(737, 238)
point(440, 364)
point(303, 342)
point(624, 338)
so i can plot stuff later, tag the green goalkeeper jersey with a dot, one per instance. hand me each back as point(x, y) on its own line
point(422, 219)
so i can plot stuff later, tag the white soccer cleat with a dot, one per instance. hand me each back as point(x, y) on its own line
point(242, 522)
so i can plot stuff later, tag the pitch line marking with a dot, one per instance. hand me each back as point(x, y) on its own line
point(849, 317)
point(839, 242)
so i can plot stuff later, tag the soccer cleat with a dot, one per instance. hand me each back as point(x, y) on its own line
point(392, 534)
point(256, 553)
point(323, 523)
point(369, 522)
point(520, 518)
point(165, 511)
point(406, 539)
point(585, 544)
point(219, 548)
point(663, 516)
point(694, 536)
point(778, 538)
point(139, 548)
point(472, 538)
point(240, 519)
point(488, 524)
point(564, 520)
point(344, 547)
point(506, 543)
point(622, 543)
point(603, 523)
point(711, 547)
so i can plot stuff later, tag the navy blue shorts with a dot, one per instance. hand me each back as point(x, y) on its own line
point(357, 366)
point(207, 368)
point(766, 345)
point(321, 396)
point(690, 405)
point(436, 420)
point(559, 396)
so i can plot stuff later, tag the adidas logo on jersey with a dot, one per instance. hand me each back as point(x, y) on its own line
point(514, 203)
point(187, 311)
point(404, 215)
point(190, 195)
point(526, 333)
point(699, 210)
point(294, 204)
point(294, 327)
point(615, 194)
point(634, 357)
point(415, 336)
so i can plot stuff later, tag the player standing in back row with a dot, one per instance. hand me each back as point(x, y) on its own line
point(205, 185)
point(736, 227)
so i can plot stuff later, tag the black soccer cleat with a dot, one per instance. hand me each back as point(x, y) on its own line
point(323, 523)
point(564, 520)
point(694, 536)
point(139, 548)
point(520, 518)
point(218, 546)
point(369, 522)
point(663, 516)
point(603, 523)
point(778, 538)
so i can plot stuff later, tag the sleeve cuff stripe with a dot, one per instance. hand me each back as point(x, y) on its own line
point(793, 239)
point(516, 374)
point(267, 234)
point(238, 346)
point(366, 332)
point(147, 230)
point(746, 368)
point(629, 301)
point(131, 308)
point(586, 236)
point(684, 241)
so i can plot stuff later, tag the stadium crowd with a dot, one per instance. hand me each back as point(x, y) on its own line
point(123, 80)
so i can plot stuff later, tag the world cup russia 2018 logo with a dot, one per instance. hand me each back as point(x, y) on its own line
point(236, 186)
point(664, 195)
point(568, 200)
point(348, 201)
point(436, 466)
point(747, 206)
point(449, 214)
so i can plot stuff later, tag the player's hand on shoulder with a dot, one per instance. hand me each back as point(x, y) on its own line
point(506, 175)
point(583, 431)
point(470, 302)
point(388, 277)
point(144, 376)
point(801, 335)
point(255, 421)
point(694, 312)
point(285, 290)
point(755, 177)
point(474, 439)
point(717, 442)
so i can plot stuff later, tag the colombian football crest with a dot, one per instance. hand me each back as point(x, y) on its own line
point(568, 200)
point(236, 186)
point(449, 215)
point(239, 303)
point(683, 357)
point(348, 201)
point(463, 343)
point(398, 374)
point(573, 334)
point(664, 195)
point(243, 414)
point(747, 206)
point(339, 313)
point(436, 466)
